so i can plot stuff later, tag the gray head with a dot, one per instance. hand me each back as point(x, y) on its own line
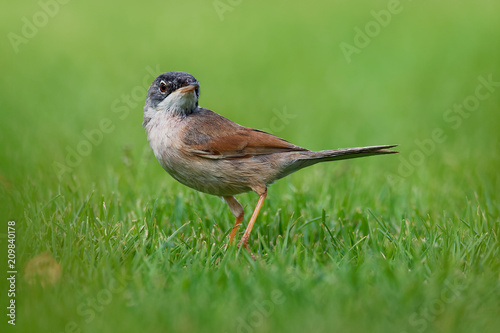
point(175, 92)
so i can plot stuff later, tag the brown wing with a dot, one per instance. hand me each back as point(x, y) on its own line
point(210, 135)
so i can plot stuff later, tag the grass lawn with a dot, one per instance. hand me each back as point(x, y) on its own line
point(398, 243)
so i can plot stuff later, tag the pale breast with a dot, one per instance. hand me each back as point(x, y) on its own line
point(162, 132)
point(214, 177)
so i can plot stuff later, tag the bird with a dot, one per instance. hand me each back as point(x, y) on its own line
point(212, 154)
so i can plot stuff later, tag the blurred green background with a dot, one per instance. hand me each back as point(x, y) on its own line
point(259, 57)
point(278, 66)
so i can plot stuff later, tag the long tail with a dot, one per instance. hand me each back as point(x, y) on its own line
point(301, 160)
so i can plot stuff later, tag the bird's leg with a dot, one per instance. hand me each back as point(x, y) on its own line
point(246, 235)
point(238, 213)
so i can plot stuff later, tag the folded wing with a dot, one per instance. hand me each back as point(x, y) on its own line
point(217, 137)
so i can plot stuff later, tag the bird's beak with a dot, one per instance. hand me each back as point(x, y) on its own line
point(189, 88)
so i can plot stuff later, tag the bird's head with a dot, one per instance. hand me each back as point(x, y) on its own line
point(173, 92)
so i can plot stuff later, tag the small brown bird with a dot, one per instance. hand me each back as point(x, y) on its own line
point(211, 154)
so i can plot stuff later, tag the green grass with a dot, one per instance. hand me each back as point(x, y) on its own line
point(400, 243)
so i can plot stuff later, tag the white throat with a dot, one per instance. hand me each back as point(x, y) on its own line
point(179, 102)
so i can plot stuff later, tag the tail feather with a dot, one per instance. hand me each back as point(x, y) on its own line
point(346, 153)
point(301, 160)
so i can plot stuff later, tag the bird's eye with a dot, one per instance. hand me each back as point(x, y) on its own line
point(163, 86)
